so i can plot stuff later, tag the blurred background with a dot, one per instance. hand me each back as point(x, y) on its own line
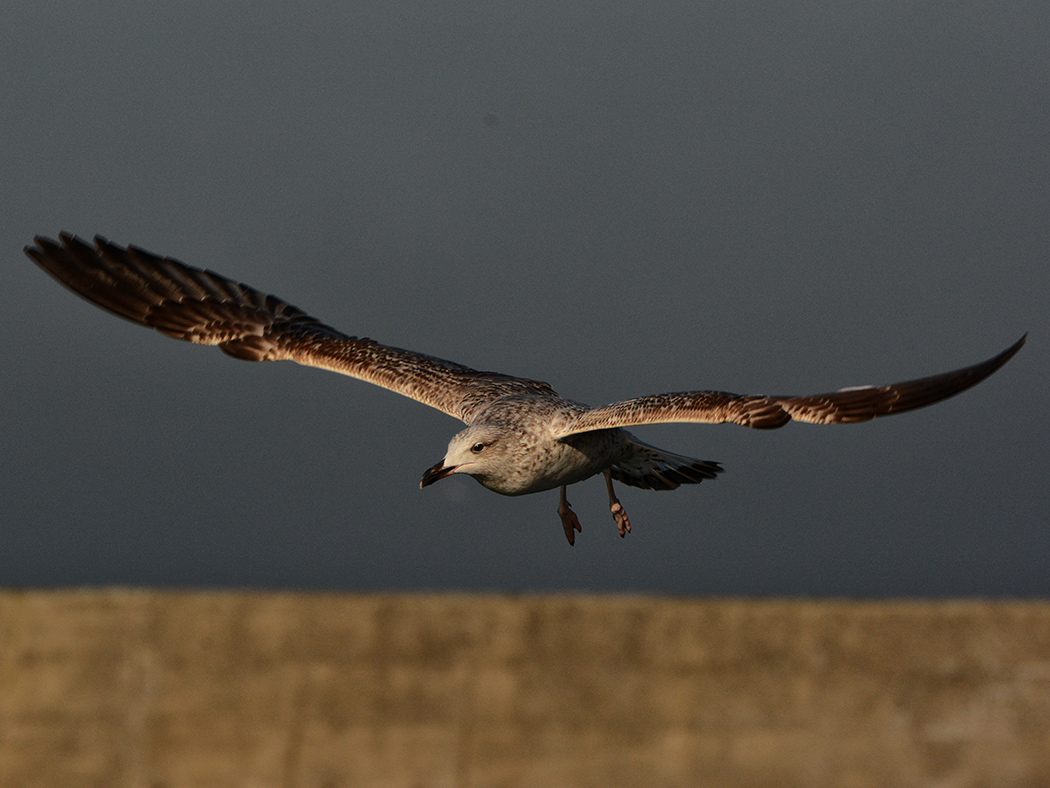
point(203, 688)
point(619, 199)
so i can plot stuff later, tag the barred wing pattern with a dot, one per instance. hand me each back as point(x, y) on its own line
point(205, 308)
point(848, 405)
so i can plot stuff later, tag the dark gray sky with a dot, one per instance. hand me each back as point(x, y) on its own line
point(759, 197)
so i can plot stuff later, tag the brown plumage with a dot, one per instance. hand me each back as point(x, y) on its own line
point(521, 436)
point(845, 406)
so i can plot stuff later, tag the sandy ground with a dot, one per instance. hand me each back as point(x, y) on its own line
point(170, 689)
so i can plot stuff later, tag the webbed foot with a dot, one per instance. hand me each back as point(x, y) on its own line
point(569, 521)
point(618, 512)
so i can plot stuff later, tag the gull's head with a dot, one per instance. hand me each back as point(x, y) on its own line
point(479, 451)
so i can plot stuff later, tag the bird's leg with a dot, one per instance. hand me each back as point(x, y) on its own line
point(618, 512)
point(568, 518)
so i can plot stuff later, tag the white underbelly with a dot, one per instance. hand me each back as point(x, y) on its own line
point(568, 461)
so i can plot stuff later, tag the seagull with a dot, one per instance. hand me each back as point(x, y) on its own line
point(521, 436)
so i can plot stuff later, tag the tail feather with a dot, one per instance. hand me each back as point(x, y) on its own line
point(651, 468)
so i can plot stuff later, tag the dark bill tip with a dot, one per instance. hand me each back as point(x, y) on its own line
point(436, 474)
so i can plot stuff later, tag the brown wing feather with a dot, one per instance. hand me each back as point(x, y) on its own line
point(206, 308)
point(762, 412)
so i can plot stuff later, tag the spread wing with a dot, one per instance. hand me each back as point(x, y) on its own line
point(209, 309)
point(860, 403)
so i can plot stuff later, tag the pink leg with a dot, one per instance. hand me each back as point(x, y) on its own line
point(618, 512)
point(568, 518)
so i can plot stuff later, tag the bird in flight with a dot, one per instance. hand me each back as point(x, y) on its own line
point(521, 437)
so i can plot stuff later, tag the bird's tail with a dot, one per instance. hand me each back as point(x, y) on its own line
point(651, 468)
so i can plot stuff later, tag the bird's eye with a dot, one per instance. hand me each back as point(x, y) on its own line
point(477, 448)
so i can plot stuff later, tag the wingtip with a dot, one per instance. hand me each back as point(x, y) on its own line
point(68, 243)
point(995, 363)
point(1009, 353)
point(43, 242)
point(36, 250)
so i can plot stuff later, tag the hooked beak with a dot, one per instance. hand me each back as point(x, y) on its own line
point(436, 474)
